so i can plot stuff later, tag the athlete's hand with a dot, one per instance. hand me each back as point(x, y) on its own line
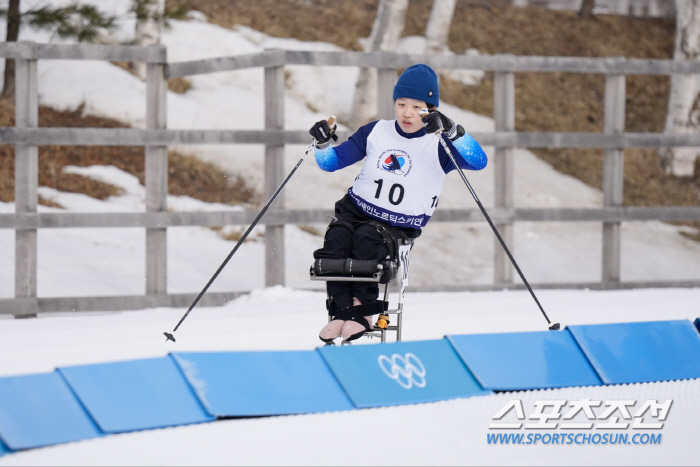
point(322, 132)
point(436, 121)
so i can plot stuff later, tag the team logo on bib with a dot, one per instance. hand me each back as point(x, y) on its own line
point(395, 161)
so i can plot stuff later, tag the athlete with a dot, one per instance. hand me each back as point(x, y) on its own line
point(396, 192)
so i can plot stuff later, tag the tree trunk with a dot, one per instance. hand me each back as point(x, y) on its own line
point(683, 115)
point(438, 28)
point(586, 10)
point(386, 32)
point(147, 32)
point(13, 20)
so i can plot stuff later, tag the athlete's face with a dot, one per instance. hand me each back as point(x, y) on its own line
point(407, 114)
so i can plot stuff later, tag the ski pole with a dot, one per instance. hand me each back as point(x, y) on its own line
point(552, 327)
point(169, 336)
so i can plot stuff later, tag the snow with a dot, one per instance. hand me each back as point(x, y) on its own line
point(442, 433)
point(109, 262)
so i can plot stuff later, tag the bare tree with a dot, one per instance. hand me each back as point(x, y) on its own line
point(152, 17)
point(438, 28)
point(148, 27)
point(683, 115)
point(11, 35)
point(386, 32)
point(586, 10)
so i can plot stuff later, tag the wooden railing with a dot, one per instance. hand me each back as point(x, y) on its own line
point(27, 136)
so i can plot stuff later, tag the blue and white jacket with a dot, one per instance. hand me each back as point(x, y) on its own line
point(403, 173)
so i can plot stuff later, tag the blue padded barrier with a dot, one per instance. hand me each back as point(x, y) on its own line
point(233, 384)
point(401, 373)
point(41, 410)
point(3, 449)
point(135, 395)
point(697, 324)
point(641, 352)
point(525, 360)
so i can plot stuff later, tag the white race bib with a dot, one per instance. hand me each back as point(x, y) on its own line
point(401, 178)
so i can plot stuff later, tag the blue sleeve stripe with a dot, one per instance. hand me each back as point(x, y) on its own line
point(327, 159)
point(349, 152)
point(472, 155)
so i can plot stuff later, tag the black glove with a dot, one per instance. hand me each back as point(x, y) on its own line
point(322, 132)
point(436, 121)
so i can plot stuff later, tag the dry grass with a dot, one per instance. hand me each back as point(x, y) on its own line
point(535, 31)
point(235, 234)
point(49, 202)
point(190, 176)
point(179, 85)
point(232, 235)
point(187, 174)
point(490, 26)
point(318, 20)
point(313, 230)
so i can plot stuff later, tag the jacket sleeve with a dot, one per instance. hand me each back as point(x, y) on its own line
point(347, 153)
point(468, 154)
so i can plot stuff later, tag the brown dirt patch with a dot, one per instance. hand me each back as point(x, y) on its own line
point(187, 174)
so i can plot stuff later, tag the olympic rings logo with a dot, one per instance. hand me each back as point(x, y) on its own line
point(408, 370)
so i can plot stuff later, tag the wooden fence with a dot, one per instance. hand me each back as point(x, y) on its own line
point(27, 136)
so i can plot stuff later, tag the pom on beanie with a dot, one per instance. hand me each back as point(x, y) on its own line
point(418, 82)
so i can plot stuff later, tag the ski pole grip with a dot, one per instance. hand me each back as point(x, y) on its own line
point(331, 124)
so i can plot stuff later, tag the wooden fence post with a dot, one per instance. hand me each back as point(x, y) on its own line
point(613, 174)
point(386, 80)
point(504, 116)
point(274, 174)
point(156, 179)
point(26, 177)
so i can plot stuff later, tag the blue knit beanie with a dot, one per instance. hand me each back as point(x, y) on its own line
point(418, 82)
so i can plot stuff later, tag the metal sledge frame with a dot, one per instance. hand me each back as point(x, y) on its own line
point(402, 274)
